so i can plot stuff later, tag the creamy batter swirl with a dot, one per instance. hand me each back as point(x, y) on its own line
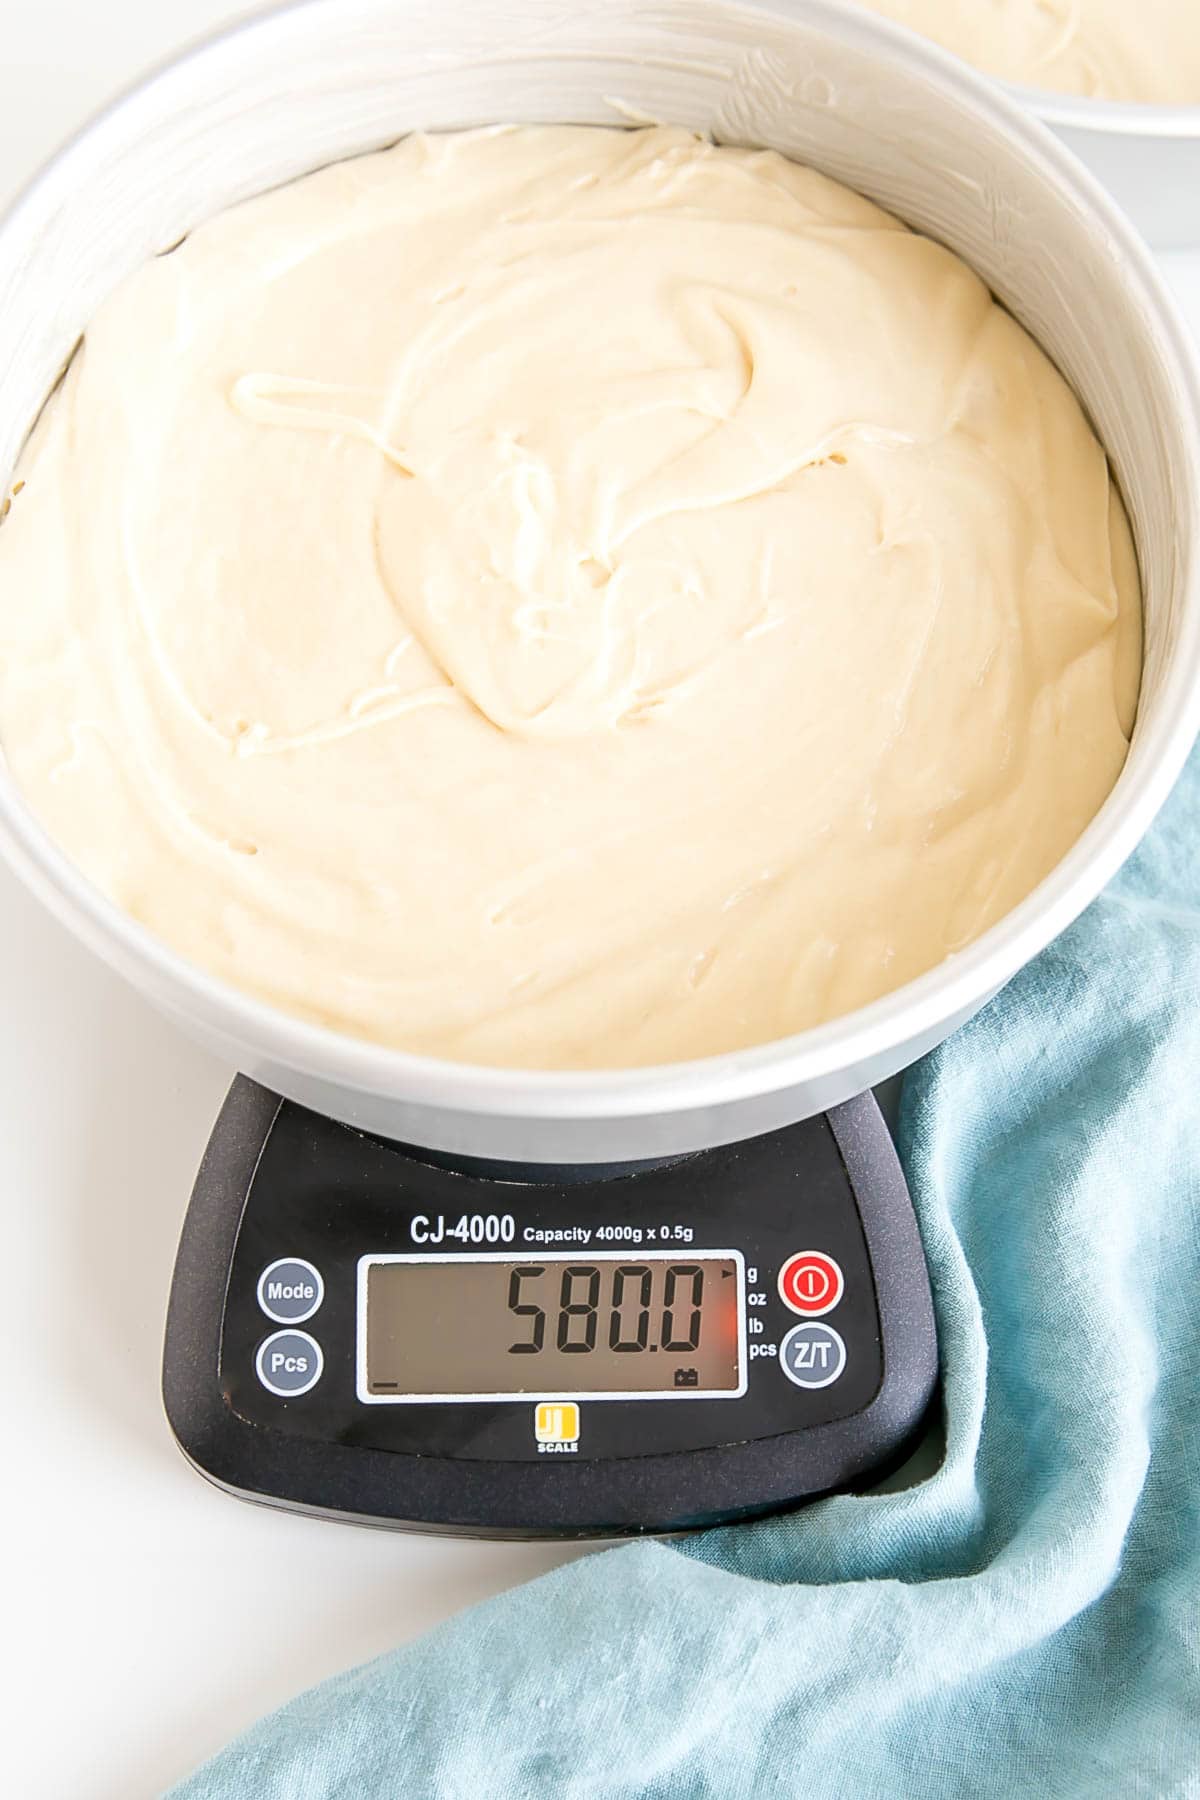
point(564, 598)
point(1143, 50)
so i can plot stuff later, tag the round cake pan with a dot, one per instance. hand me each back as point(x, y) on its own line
point(914, 129)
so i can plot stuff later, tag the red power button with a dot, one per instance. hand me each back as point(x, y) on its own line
point(810, 1283)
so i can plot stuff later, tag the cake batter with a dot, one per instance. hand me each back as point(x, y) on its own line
point(564, 598)
point(1108, 49)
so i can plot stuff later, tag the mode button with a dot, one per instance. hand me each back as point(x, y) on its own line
point(290, 1290)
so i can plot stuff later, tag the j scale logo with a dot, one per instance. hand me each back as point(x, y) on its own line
point(556, 1427)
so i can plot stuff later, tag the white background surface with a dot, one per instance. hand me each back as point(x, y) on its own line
point(148, 1617)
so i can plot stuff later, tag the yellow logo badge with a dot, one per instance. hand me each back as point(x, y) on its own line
point(556, 1422)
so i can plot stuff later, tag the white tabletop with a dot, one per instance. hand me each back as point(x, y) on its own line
point(148, 1616)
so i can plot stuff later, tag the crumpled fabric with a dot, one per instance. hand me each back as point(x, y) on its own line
point(1025, 1621)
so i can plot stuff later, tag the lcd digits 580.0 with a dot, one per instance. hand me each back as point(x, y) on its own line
point(612, 1325)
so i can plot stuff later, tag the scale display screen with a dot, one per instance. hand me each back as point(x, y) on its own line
point(605, 1326)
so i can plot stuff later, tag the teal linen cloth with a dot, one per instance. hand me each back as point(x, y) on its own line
point(1024, 1622)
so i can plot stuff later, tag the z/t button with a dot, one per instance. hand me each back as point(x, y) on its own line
point(813, 1356)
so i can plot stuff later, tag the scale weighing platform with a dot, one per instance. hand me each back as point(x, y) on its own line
point(373, 1332)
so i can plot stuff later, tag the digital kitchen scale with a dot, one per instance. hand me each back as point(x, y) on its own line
point(373, 1332)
